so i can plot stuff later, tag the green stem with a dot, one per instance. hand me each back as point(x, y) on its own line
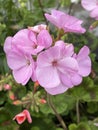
point(42, 9)
point(70, 8)
point(77, 111)
point(56, 113)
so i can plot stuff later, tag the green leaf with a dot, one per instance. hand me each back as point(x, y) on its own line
point(80, 126)
point(58, 99)
point(73, 127)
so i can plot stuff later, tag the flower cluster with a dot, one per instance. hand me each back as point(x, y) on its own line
point(32, 53)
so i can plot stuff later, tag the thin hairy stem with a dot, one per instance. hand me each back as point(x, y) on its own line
point(56, 113)
point(42, 9)
point(77, 111)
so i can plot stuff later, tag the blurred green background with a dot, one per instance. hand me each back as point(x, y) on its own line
point(79, 105)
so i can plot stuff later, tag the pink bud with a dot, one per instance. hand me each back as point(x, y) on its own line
point(17, 102)
point(21, 117)
point(7, 87)
point(43, 101)
point(36, 84)
point(12, 96)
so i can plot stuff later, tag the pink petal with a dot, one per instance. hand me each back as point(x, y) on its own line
point(85, 67)
point(84, 61)
point(45, 58)
point(57, 90)
point(76, 79)
point(66, 49)
point(47, 77)
point(26, 112)
point(16, 59)
point(72, 24)
point(53, 20)
point(44, 39)
point(84, 51)
point(56, 13)
point(94, 13)
point(68, 65)
point(89, 4)
point(33, 77)
point(25, 40)
point(66, 80)
point(23, 74)
point(7, 45)
point(20, 118)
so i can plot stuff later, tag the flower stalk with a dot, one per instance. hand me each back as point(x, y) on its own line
point(56, 113)
point(77, 111)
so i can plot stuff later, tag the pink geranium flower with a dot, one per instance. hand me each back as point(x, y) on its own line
point(22, 65)
point(66, 22)
point(7, 87)
point(21, 117)
point(31, 42)
point(56, 70)
point(92, 7)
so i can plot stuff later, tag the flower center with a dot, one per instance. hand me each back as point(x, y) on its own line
point(28, 62)
point(54, 63)
point(34, 46)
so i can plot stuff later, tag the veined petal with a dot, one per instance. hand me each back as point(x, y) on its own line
point(68, 65)
point(66, 80)
point(16, 60)
point(47, 77)
point(25, 40)
point(67, 49)
point(44, 39)
point(23, 74)
point(45, 58)
point(57, 90)
point(53, 20)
